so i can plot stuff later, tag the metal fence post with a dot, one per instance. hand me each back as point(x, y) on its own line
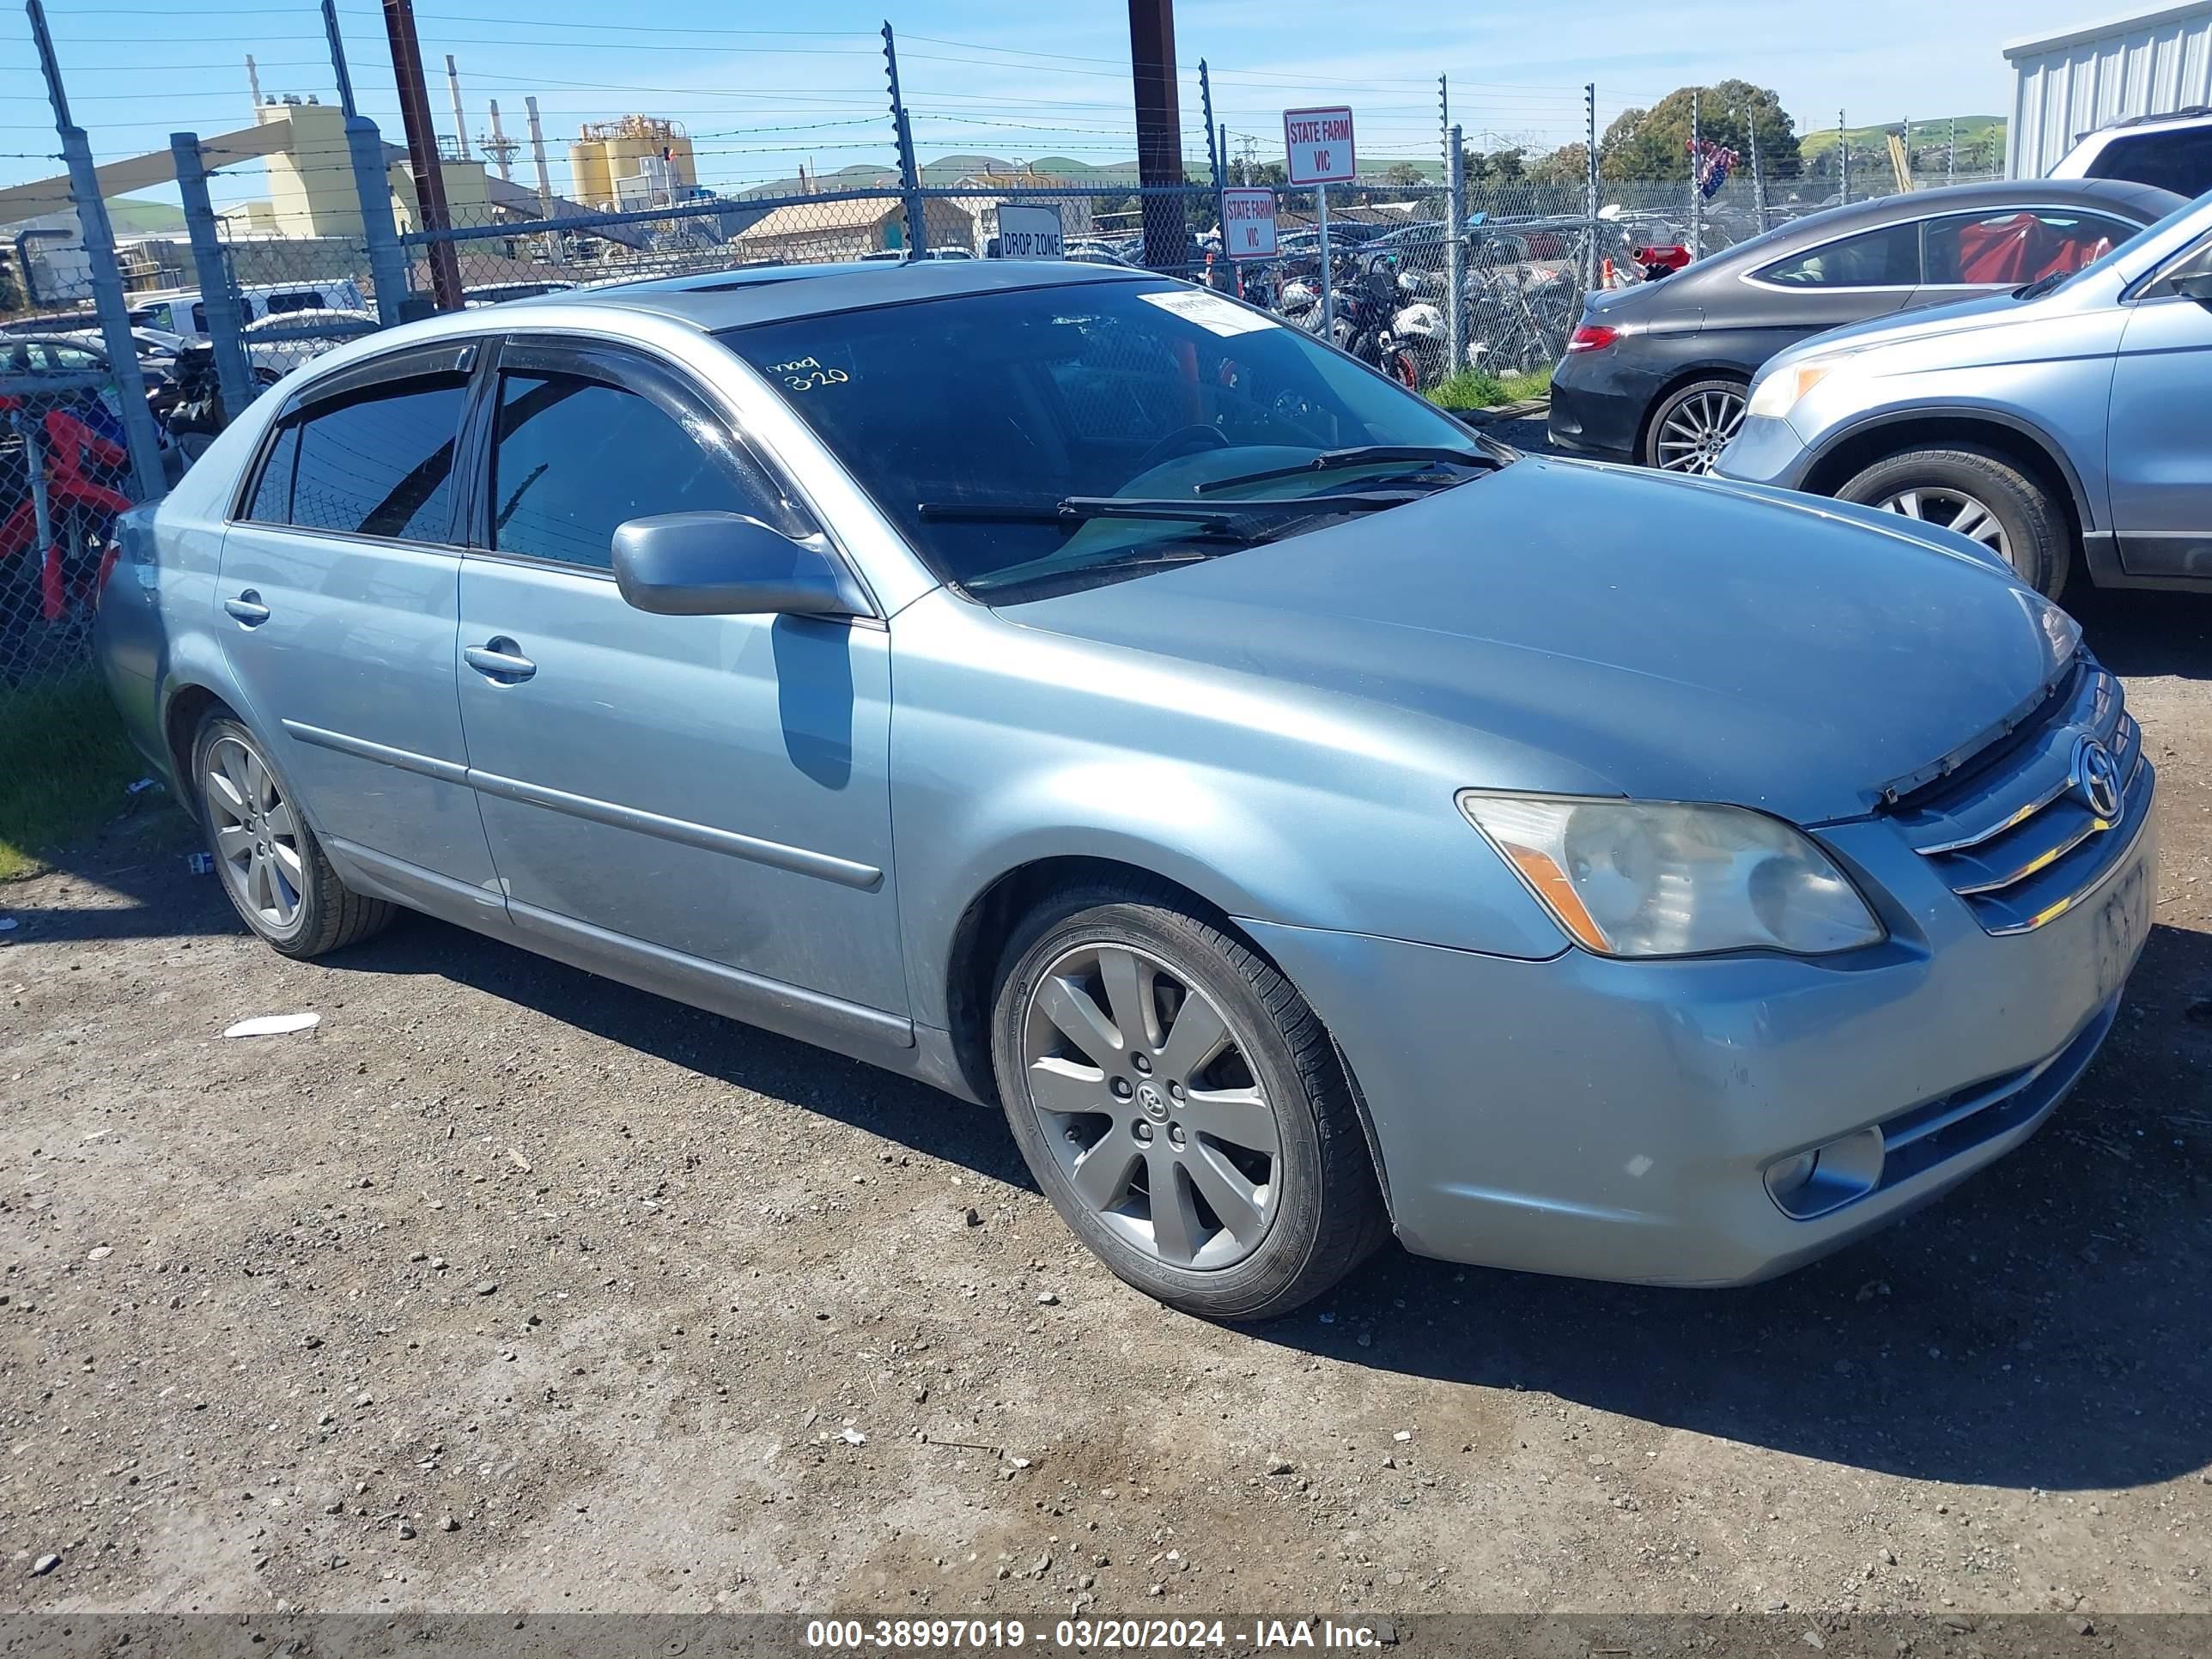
point(218, 294)
point(372, 182)
point(1328, 276)
point(1455, 253)
point(1217, 157)
point(1758, 177)
point(1589, 186)
point(1843, 155)
point(1697, 195)
point(917, 212)
point(98, 240)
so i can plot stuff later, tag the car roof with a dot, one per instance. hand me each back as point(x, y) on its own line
point(712, 301)
point(2145, 203)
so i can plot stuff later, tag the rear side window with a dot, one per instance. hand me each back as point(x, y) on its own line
point(2178, 159)
point(379, 462)
point(273, 496)
point(574, 458)
point(2021, 247)
point(1889, 257)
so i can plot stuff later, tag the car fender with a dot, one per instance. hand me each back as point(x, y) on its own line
point(1871, 422)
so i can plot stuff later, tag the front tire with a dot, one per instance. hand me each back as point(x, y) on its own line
point(1181, 1105)
point(1981, 495)
point(271, 867)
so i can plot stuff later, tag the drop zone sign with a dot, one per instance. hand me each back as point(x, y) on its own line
point(1248, 223)
point(1319, 144)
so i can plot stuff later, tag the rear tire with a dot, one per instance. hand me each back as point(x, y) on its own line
point(1693, 423)
point(1992, 501)
point(1234, 1189)
point(272, 868)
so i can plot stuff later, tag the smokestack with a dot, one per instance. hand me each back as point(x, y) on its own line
point(537, 155)
point(460, 121)
point(501, 151)
point(253, 81)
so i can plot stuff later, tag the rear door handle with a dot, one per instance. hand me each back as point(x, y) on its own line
point(499, 658)
point(247, 609)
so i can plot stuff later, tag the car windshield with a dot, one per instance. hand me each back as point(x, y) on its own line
point(994, 409)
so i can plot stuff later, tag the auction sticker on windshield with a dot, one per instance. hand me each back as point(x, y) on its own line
point(1210, 312)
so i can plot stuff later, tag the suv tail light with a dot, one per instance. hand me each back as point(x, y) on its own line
point(1593, 337)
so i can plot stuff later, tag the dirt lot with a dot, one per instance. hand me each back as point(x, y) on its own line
point(510, 1288)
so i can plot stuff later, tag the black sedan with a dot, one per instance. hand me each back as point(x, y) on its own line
point(1658, 372)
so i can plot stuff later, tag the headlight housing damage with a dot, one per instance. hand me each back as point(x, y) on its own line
point(1645, 879)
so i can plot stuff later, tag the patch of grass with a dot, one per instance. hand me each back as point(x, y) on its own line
point(65, 768)
point(1478, 388)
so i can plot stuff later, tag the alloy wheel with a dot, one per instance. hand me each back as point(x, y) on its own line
point(256, 836)
point(1696, 430)
point(1954, 510)
point(1144, 1094)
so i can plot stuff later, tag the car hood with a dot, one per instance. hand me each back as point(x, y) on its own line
point(1914, 327)
point(1587, 628)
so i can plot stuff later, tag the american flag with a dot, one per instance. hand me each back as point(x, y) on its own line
point(1710, 164)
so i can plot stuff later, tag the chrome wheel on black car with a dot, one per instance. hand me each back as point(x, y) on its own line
point(1694, 425)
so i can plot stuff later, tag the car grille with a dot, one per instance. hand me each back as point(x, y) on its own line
point(2014, 833)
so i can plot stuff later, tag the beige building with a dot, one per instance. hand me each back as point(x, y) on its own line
point(636, 148)
point(811, 232)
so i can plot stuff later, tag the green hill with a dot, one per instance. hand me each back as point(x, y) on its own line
point(1986, 132)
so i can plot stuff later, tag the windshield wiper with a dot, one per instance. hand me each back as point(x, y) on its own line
point(1360, 455)
point(2041, 286)
point(1243, 520)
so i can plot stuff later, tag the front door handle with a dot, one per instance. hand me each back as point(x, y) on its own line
point(500, 658)
point(247, 609)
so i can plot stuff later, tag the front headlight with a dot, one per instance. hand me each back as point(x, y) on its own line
point(1781, 390)
point(1641, 878)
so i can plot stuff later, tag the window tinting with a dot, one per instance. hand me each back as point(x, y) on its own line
point(2180, 159)
point(380, 463)
point(1877, 258)
point(2019, 247)
point(273, 496)
point(575, 458)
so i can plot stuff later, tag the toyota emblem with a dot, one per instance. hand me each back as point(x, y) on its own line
point(2097, 777)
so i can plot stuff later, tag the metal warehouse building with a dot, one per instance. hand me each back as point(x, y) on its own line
point(2067, 84)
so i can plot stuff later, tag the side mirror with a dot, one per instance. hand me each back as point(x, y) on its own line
point(2197, 286)
point(725, 564)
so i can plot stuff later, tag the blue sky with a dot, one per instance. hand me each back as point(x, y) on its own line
point(1016, 80)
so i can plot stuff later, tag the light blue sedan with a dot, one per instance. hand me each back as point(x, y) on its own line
point(1079, 691)
point(2066, 423)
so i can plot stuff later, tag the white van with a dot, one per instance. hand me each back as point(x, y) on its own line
point(180, 311)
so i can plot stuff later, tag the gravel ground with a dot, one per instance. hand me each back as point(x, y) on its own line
point(509, 1288)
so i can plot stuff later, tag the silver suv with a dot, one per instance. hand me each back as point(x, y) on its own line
point(2064, 419)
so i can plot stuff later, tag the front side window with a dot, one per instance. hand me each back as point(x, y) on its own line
point(2010, 248)
point(994, 409)
point(574, 458)
point(379, 462)
point(1888, 257)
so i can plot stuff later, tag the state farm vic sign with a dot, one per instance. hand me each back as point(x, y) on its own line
point(1318, 143)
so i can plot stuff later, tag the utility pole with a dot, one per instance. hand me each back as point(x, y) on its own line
point(98, 238)
point(422, 151)
point(917, 213)
point(1159, 130)
point(1589, 187)
point(1843, 155)
point(372, 182)
point(460, 119)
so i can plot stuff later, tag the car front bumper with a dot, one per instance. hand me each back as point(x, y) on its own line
point(1615, 1119)
point(1767, 451)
